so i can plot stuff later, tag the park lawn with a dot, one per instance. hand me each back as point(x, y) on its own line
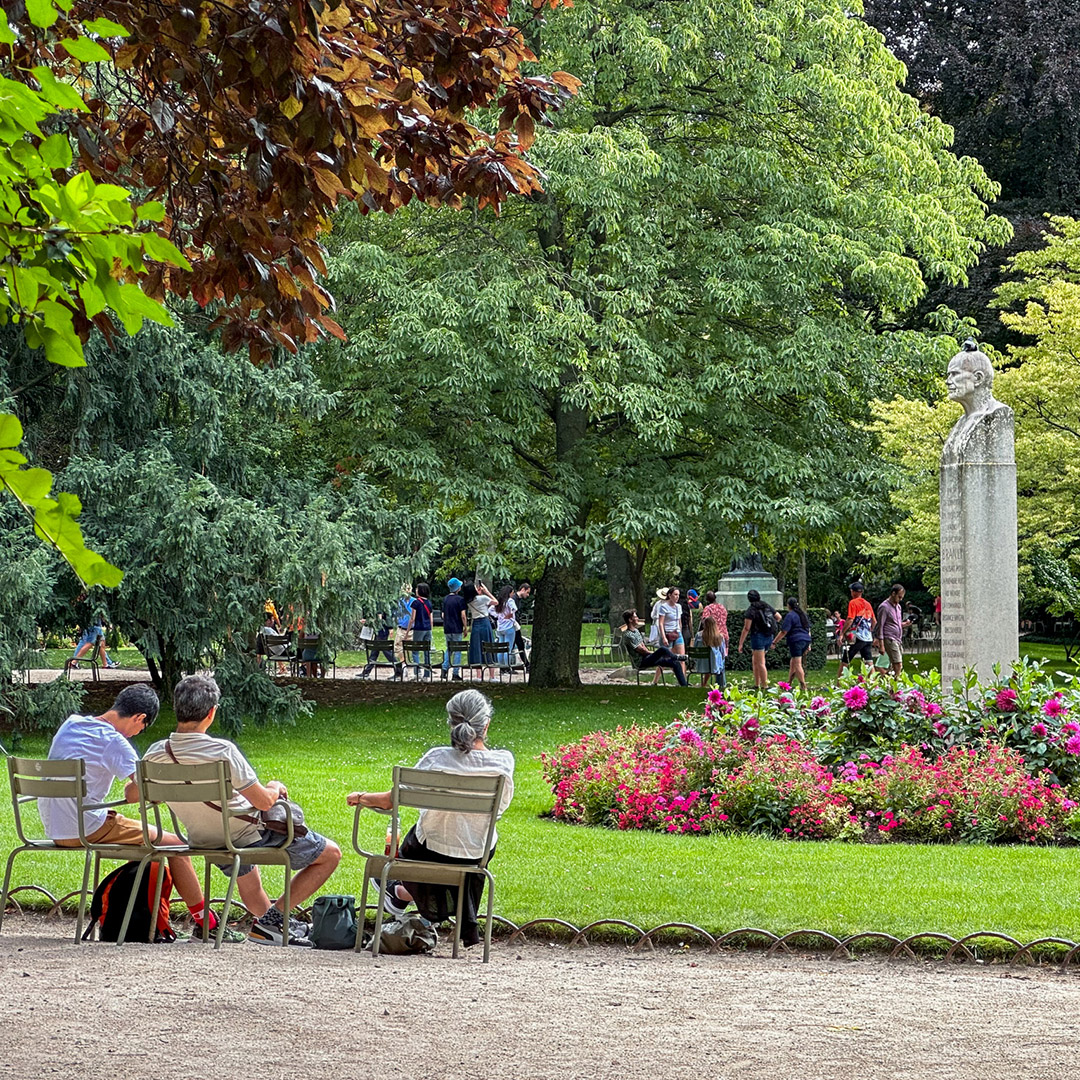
point(548, 869)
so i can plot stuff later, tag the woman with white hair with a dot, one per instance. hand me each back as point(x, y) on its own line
point(441, 836)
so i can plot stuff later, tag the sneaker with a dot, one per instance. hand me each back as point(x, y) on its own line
point(113, 664)
point(457, 676)
point(229, 937)
point(264, 933)
point(391, 904)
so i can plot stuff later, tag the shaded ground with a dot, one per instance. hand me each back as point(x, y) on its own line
point(536, 1012)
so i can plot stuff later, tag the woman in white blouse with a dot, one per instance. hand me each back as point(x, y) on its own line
point(441, 836)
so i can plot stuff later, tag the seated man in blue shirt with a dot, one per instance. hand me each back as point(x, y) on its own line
point(640, 657)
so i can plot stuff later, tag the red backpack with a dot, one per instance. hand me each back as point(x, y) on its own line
point(111, 899)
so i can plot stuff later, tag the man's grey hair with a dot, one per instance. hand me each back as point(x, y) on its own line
point(194, 697)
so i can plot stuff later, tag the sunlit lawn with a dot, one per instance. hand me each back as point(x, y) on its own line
point(721, 883)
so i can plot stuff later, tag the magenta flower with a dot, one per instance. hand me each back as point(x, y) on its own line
point(783, 685)
point(820, 705)
point(1006, 700)
point(715, 697)
point(1038, 730)
point(932, 708)
point(1073, 746)
point(1054, 707)
point(1070, 728)
point(856, 697)
point(941, 728)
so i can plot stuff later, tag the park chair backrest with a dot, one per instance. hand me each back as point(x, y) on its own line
point(456, 793)
point(172, 784)
point(34, 778)
point(495, 653)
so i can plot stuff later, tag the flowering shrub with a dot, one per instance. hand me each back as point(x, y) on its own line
point(863, 761)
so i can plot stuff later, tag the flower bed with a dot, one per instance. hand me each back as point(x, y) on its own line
point(860, 762)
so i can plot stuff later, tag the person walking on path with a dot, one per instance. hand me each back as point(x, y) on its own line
point(861, 622)
point(419, 629)
point(759, 624)
point(890, 628)
point(521, 595)
point(796, 628)
point(403, 619)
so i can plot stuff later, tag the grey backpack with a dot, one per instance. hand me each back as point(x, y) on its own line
point(411, 933)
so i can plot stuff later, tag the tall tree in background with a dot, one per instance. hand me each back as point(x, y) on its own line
point(687, 324)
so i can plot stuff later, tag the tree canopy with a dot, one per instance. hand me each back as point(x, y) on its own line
point(690, 320)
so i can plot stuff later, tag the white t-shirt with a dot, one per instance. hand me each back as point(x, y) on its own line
point(108, 756)
point(203, 823)
point(508, 616)
point(672, 616)
point(479, 607)
point(462, 836)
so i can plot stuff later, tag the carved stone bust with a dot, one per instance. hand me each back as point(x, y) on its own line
point(984, 434)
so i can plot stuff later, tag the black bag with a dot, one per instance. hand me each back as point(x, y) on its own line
point(333, 922)
point(111, 899)
point(763, 621)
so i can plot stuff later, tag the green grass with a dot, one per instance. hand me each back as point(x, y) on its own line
point(721, 883)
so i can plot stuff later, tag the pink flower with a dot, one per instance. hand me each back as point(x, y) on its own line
point(1006, 700)
point(715, 697)
point(1038, 730)
point(932, 708)
point(1054, 706)
point(820, 705)
point(786, 699)
point(784, 685)
point(941, 728)
point(1070, 728)
point(1073, 746)
point(856, 697)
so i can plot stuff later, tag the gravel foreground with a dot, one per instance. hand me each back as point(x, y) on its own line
point(537, 1011)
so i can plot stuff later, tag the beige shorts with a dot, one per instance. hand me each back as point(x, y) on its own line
point(116, 830)
point(893, 650)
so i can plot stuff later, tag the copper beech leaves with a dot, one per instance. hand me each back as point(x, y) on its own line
point(249, 120)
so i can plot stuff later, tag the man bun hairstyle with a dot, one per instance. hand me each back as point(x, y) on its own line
point(468, 713)
point(136, 699)
point(194, 697)
point(753, 596)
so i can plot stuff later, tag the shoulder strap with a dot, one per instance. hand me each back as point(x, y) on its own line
point(212, 805)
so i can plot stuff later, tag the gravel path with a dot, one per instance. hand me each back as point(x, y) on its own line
point(538, 1011)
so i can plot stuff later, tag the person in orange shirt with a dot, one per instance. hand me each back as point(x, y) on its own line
point(861, 623)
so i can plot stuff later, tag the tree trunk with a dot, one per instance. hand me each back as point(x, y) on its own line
point(802, 579)
point(782, 573)
point(620, 582)
point(637, 571)
point(560, 603)
point(560, 593)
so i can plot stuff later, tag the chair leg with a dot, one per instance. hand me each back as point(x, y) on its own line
point(131, 899)
point(457, 917)
point(7, 883)
point(379, 911)
point(81, 921)
point(286, 900)
point(206, 901)
point(361, 915)
point(228, 899)
point(490, 915)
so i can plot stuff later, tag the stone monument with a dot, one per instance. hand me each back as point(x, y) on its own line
point(747, 573)
point(979, 602)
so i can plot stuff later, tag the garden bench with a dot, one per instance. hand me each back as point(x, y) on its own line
point(380, 654)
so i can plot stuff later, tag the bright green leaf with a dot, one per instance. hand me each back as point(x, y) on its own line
point(42, 13)
point(56, 151)
point(157, 247)
point(56, 92)
point(63, 348)
point(11, 432)
point(106, 28)
point(89, 52)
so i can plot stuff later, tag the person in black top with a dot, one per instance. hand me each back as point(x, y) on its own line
point(419, 629)
point(521, 595)
point(455, 621)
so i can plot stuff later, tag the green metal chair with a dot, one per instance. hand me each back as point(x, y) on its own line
point(176, 785)
point(33, 779)
point(428, 789)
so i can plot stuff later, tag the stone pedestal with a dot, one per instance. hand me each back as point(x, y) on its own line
point(732, 589)
point(979, 604)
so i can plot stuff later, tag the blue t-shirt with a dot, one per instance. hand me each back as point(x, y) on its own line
point(796, 633)
point(404, 608)
point(453, 607)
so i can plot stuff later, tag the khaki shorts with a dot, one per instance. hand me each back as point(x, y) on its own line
point(893, 650)
point(116, 830)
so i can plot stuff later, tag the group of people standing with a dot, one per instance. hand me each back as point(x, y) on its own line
point(864, 629)
point(472, 616)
